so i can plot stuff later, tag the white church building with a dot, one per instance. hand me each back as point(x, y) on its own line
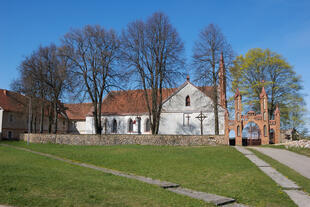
point(125, 112)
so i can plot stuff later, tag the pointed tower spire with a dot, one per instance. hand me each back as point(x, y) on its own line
point(222, 80)
point(277, 111)
point(237, 93)
point(263, 93)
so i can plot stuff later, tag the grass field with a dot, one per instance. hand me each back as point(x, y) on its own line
point(221, 170)
point(299, 150)
point(27, 179)
point(302, 181)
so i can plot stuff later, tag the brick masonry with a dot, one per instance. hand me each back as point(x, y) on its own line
point(119, 139)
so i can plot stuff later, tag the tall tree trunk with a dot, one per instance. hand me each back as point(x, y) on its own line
point(35, 124)
point(50, 119)
point(215, 104)
point(55, 118)
point(42, 118)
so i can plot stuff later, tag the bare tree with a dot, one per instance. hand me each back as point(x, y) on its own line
point(93, 53)
point(31, 84)
point(56, 76)
point(207, 52)
point(44, 78)
point(153, 51)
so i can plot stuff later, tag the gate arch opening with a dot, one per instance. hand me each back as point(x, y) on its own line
point(232, 138)
point(251, 134)
point(271, 136)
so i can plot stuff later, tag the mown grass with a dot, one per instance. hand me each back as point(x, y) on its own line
point(302, 181)
point(299, 150)
point(27, 179)
point(221, 170)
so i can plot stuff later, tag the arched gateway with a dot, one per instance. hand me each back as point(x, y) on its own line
point(269, 130)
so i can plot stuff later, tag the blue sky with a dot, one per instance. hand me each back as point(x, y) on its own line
point(280, 25)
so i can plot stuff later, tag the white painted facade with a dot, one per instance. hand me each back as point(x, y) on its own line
point(176, 117)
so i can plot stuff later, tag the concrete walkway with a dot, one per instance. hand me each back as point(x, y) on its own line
point(297, 162)
point(207, 197)
point(299, 197)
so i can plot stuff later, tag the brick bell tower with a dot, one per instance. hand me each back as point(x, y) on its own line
point(265, 119)
point(222, 83)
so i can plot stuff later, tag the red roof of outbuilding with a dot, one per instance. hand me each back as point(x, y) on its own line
point(78, 111)
point(12, 101)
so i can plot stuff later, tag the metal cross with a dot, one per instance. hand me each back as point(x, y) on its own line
point(201, 117)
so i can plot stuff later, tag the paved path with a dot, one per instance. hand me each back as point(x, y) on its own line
point(299, 197)
point(207, 197)
point(297, 162)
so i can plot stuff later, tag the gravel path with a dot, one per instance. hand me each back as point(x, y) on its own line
point(297, 162)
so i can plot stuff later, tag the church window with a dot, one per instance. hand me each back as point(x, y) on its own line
point(238, 131)
point(147, 125)
point(265, 131)
point(265, 116)
point(187, 101)
point(114, 126)
point(238, 116)
point(130, 125)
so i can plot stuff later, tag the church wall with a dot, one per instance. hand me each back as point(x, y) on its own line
point(178, 123)
point(174, 116)
point(122, 124)
point(77, 127)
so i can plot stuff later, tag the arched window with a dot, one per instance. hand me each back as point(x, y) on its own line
point(238, 131)
point(265, 116)
point(265, 131)
point(238, 116)
point(187, 101)
point(147, 125)
point(130, 125)
point(114, 126)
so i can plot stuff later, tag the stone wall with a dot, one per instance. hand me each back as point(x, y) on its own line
point(118, 139)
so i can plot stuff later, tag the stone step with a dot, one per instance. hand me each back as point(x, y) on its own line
point(207, 197)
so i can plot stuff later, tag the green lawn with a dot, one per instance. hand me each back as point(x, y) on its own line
point(27, 179)
point(221, 170)
point(303, 182)
point(299, 150)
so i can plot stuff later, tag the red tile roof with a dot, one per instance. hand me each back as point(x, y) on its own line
point(122, 103)
point(12, 101)
point(78, 111)
point(128, 102)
